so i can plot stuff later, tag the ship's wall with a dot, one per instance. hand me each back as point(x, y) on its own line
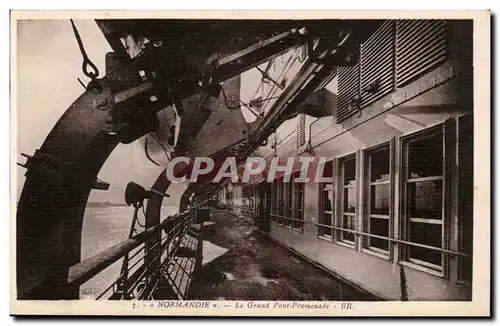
point(374, 127)
point(433, 100)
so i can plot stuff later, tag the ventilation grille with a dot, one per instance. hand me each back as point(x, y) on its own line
point(421, 45)
point(348, 90)
point(377, 64)
point(301, 130)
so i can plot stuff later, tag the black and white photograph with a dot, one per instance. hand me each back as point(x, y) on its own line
point(250, 164)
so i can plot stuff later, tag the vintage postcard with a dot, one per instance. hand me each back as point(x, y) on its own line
point(328, 163)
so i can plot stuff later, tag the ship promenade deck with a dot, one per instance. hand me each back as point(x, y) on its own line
point(236, 261)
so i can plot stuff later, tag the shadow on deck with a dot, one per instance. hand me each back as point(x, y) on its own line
point(237, 262)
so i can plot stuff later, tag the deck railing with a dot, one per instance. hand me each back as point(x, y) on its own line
point(147, 276)
point(360, 233)
point(276, 218)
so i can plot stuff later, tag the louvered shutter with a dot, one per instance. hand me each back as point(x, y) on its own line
point(348, 89)
point(421, 45)
point(377, 64)
point(301, 130)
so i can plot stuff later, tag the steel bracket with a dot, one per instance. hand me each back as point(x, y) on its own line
point(42, 163)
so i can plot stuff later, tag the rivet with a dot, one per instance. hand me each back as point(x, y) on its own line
point(153, 98)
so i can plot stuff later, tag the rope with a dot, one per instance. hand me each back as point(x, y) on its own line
point(158, 140)
point(86, 61)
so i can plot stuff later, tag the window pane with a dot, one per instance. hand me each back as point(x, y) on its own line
point(299, 199)
point(348, 223)
point(379, 199)
point(379, 227)
point(326, 208)
point(288, 204)
point(327, 220)
point(328, 169)
point(349, 171)
point(327, 200)
point(425, 157)
point(279, 206)
point(349, 200)
point(428, 234)
point(299, 203)
point(425, 199)
point(379, 165)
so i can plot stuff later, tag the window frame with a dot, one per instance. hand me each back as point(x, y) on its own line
point(281, 197)
point(321, 213)
point(366, 188)
point(446, 131)
point(296, 215)
point(278, 202)
point(273, 200)
point(339, 220)
point(287, 198)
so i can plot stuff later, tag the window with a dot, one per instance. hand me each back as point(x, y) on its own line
point(424, 188)
point(378, 195)
point(276, 200)
point(287, 208)
point(326, 199)
point(248, 195)
point(466, 193)
point(298, 194)
point(279, 200)
point(273, 201)
point(349, 198)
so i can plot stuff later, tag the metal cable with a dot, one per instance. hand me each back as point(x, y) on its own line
point(86, 61)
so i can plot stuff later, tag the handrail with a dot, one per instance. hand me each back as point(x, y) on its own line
point(90, 267)
point(446, 251)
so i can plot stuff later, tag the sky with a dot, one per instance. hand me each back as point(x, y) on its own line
point(48, 65)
